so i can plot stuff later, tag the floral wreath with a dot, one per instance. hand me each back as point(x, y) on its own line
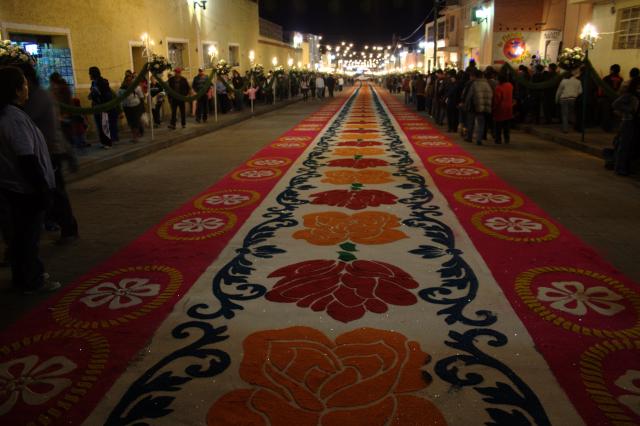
point(222, 67)
point(571, 59)
point(12, 54)
point(158, 64)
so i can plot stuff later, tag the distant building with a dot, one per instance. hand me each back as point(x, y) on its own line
point(494, 32)
point(70, 39)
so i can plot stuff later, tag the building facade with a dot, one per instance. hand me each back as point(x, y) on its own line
point(69, 36)
point(495, 32)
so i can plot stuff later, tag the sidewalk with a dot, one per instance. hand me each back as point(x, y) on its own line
point(594, 142)
point(95, 159)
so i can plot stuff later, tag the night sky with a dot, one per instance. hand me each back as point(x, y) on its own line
point(357, 21)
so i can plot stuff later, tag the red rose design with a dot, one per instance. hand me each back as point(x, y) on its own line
point(344, 290)
point(354, 200)
point(360, 163)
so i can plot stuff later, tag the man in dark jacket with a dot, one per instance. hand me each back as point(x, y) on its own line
point(421, 93)
point(202, 108)
point(179, 84)
point(331, 85)
point(100, 93)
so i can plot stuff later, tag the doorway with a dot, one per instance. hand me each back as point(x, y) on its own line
point(138, 61)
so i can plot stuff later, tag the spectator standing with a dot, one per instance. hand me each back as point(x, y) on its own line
point(502, 109)
point(312, 86)
point(179, 84)
point(157, 100)
point(222, 95)
point(238, 88)
point(331, 85)
point(568, 91)
point(202, 106)
point(133, 107)
point(26, 181)
point(614, 81)
point(406, 88)
point(340, 83)
point(40, 107)
point(522, 94)
point(106, 122)
point(421, 93)
point(549, 95)
point(320, 86)
point(452, 99)
point(478, 102)
point(304, 87)
point(627, 104)
point(535, 97)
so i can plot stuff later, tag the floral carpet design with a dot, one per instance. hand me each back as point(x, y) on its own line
point(362, 269)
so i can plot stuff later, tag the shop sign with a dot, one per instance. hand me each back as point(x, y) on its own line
point(514, 47)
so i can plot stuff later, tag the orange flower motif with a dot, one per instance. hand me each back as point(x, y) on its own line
point(370, 176)
point(300, 377)
point(331, 228)
point(349, 152)
point(356, 136)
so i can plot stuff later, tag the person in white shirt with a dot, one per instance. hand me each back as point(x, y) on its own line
point(340, 84)
point(320, 86)
point(568, 91)
point(26, 183)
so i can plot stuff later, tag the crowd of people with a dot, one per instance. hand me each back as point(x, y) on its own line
point(488, 103)
point(234, 92)
point(38, 139)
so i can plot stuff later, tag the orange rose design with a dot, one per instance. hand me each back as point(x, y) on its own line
point(331, 228)
point(348, 152)
point(370, 176)
point(300, 377)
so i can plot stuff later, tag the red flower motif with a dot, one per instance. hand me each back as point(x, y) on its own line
point(344, 290)
point(354, 200)
point(360, 163)
point(356, 143)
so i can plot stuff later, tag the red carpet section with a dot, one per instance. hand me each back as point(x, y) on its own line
point(360, 270)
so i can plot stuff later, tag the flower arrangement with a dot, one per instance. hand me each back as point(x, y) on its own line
point(571, 59)
point(12, 54)
point(158, 64)
point(256, 70)
point(222, 67)
point(278, 71)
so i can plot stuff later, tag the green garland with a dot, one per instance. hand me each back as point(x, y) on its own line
point(108, 106)
point(554, 82)
point(608, 91)
point(545, 85)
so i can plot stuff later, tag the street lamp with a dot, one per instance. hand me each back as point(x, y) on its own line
point(213, 54)
point(147, 53)
point(589, 36)
point(274, 61)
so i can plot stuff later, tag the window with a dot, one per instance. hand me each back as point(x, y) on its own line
point(628, 29)
point(234, 56)
point(206, 55)
point(441, 30)
point(452, 24)
point(430, 33)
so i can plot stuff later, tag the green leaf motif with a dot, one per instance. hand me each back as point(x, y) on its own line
point(346, 257)
point(348, 247)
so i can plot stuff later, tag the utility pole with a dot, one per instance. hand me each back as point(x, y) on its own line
point(436, 3)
